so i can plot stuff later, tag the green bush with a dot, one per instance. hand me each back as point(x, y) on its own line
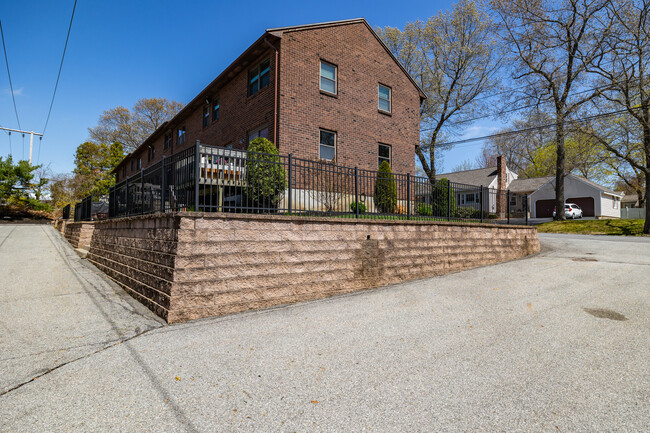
point(353, 207)
point(265, 177)
point(425, 209)
point(385, 189)
point(443, 201)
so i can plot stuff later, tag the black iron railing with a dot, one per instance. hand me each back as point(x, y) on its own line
point(216, 179)
point(91, 208)
point(66, 212)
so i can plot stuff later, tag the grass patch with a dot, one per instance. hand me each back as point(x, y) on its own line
point(594, 227)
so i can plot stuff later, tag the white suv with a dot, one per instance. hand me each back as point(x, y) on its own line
point(571, 210)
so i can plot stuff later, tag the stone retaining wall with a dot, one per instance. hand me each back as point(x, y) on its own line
point(189, 265)
point(79, 234)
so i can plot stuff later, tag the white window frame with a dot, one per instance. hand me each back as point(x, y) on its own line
point(390, 98)
point(383, 158)
point(321, 77)
point(320, 144)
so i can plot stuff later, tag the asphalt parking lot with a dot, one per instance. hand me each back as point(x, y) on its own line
point(557, 342)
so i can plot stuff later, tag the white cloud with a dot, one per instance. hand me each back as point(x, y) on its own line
point(17, 92)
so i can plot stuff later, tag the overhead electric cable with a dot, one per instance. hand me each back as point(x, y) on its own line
point(533, 128)
point(65, 47)
point(11, 86)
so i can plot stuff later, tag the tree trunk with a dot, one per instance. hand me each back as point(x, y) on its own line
point(559, 172)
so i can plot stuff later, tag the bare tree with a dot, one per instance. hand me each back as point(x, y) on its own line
point(551, 42)
point(453, 57)
point(625, 69)
point(132, 127)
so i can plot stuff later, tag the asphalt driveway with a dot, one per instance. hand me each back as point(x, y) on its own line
point(555, 342)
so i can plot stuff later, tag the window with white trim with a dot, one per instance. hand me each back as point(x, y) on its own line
point(384, 152)
point(328, 73)
point(327, 145)
point(384, 98)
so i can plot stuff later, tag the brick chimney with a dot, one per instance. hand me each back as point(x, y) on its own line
point(502, 205)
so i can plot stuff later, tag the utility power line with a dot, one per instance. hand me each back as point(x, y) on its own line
point(65, 47)
point(11, 86)
point(519, 131)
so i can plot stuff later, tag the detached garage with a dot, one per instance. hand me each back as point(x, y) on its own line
point(594, 200)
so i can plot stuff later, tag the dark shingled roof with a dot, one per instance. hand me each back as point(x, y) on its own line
point(528, 185)
point(477, 177)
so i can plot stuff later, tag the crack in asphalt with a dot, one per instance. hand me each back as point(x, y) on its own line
point(169, 400)
point(45, 372)
point(7, 237)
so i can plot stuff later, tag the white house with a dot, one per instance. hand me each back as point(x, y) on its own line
point(594, 199)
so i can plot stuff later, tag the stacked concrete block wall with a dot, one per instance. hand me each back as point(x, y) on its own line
point(191, 265)
point(138, 253)
point(79, 234)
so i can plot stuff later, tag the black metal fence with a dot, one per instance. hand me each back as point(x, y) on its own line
point(216, 179)
point(91, 208)
point(66, 212)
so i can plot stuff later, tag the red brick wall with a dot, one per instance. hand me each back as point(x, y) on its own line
point(362, 64)
point(239, 113)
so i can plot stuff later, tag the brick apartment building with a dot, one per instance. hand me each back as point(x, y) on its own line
point(329, 91)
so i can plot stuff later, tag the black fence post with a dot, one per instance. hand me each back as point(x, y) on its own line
point(408, 196)
point(448, 201)
point(163, 187)
point(508, 205)
point(356, 192)
point(141, 191)
point(526, 207)
point(480, 202)
point(290, 194)
point(128, 209)
point(197, 173)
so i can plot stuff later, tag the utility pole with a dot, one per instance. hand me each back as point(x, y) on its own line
point(31, 139)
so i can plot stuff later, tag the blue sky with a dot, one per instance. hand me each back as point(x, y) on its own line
point(121, 51)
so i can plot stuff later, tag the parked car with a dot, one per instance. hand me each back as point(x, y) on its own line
point(571, 210)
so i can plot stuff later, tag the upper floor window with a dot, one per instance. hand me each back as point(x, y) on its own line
point(181, 135)
point(124, 172)
point(384, 153)
point(259, 132)
point(168, 140)
point(258, 77)
point(139, 163)
point(151, 154)
point(215, 109)
point(327, 77)
point(206, 115)
point(384, 98)
point(133, 165)
point(327, 148)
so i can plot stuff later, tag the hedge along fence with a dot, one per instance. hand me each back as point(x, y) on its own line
point(216, 179)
